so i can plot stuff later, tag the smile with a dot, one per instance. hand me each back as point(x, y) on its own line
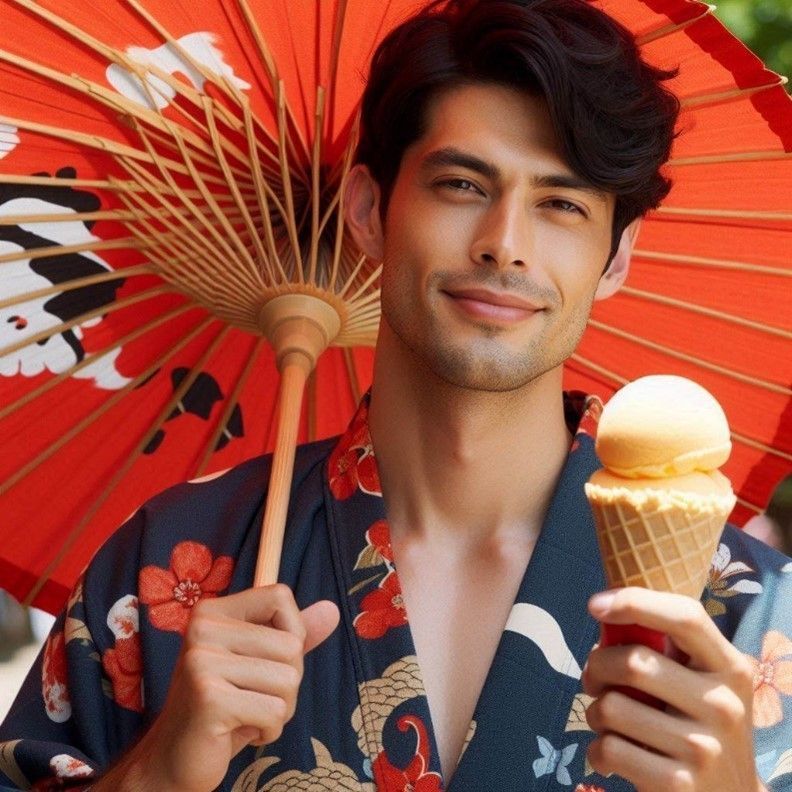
point(501, 307)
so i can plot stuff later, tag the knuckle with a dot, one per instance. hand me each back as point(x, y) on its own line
point(204, 690)
point(594, 716)
point(602, 754)
point(270, 732)
point(279, 711)
point(595, 759)
point(704, 750)
point(282, 594)
point(200, 610)
point(638, 662)
point(292, 678)
point(691, 615)
point(727, 707)
point(199, 628)
point(681, 780)
point(608, 709)
point(292, 647)
point(193, 659)
point(743, 673)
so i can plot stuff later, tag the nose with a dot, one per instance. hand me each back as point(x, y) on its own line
point(503, 236)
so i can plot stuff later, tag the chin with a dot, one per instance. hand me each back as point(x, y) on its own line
point(491, 373)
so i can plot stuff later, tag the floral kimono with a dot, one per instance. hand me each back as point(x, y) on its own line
point(362, 719)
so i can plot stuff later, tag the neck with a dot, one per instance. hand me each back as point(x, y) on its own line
point(463, 466)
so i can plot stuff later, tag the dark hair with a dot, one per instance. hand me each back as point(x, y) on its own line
point(614, 118)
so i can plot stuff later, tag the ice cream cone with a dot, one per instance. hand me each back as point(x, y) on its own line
point(651, 542)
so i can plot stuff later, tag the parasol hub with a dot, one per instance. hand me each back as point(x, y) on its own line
point(300, 327)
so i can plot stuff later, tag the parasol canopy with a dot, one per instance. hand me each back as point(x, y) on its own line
point(167, 169)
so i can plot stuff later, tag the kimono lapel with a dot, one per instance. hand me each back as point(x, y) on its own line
point(517, 738)
point(526, 717)
point(392, 719)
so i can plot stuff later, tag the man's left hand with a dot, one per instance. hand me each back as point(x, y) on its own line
point(702, 741)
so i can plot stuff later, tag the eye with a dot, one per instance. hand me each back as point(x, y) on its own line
point(460, 185)
point(566, 206)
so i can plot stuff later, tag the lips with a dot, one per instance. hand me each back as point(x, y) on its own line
point(498, 306)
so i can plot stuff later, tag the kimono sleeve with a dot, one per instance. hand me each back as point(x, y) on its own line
point(81, 705)
point(751, 587)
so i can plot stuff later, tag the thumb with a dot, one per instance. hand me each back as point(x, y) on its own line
point(320, 619)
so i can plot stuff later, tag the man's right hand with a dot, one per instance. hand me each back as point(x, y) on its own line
point(235, 683)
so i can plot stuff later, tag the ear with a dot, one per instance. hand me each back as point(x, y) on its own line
point(362, 211)
point(613, 278)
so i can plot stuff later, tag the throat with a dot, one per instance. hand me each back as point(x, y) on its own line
point(456, 610)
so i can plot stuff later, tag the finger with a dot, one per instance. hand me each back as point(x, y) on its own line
point(273, 605)
point(243, 638)
point(702, 696)
point(673, 736)
point(645, 769)
point(287, 614)
point(320, 621)
point(281, 680)
point(268, 714)
point(682, 618)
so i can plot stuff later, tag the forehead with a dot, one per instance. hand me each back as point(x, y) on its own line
point(500, 124)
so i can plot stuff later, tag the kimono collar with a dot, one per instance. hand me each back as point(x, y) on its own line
point(546, 639)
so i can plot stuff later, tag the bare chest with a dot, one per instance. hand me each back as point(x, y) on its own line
point(456, 613)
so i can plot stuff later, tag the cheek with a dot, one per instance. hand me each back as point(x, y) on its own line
point(574, 264)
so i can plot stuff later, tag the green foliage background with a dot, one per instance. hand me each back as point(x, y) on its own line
point(765, 26)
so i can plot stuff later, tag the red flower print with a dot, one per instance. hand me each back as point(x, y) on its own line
point(53, 679)
point(193, 576)
point(771, 676)
point(382, 609)
point(592, 412)
point(377, 550)
point(378, 536)
point(589, 421)
point(588, 788)
point(414, 777)
point(349, 469)
point(124, 666)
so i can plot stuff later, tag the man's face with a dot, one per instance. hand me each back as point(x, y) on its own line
point(493, 248)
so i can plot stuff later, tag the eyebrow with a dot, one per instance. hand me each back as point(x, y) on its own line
point(454, 157)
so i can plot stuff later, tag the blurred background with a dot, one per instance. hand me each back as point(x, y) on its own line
point(766, 27)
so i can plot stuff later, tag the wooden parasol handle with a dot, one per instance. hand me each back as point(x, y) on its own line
point(299, 327)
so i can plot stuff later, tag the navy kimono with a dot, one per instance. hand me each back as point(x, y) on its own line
point(362, 720)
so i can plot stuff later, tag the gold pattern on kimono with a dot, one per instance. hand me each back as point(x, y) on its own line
point(326, 776)
point(471, 732)
point(379, 697)
point(9, 766)
point(576, 721)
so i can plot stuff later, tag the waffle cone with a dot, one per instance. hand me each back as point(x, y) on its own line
point(660, 547)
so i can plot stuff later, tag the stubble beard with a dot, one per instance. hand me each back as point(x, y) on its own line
point(487, 364)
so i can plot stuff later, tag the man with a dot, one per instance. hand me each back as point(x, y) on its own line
point(501, 178)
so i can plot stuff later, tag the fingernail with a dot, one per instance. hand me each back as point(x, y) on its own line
point(601, 603)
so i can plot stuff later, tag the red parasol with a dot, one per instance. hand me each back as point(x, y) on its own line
point(166, 169)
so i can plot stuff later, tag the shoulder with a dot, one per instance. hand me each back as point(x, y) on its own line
point(220, 513)
point(243, 486)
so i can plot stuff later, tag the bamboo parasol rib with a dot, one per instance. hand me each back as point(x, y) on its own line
point(278, 260)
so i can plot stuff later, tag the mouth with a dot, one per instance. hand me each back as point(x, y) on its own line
point(498, 306)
